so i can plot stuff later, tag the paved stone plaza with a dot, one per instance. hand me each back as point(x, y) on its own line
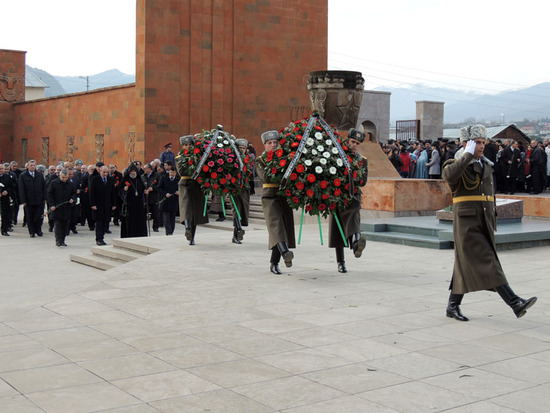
point(208, 329)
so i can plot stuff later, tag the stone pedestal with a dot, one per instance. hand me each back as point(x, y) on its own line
point(507, 210)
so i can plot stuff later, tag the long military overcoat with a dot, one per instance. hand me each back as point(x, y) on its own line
point(191, 202)
point(476, 265)
point(279, 217)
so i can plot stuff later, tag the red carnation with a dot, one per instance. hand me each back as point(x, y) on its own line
point(282, 142)
point(337, 182)
point(318, 127)
point(325, 196)
point(223, 181)
point(185, 151)
point(244, 169)
point(311, 178)
point(205, 168)
point(310, 193)
point(225, 190)
point(300, 169)
point(309, 207)
point(295, 200)
point(324, 184)
point(206, 184)
point(269, 156)
point(282, 163)
point(199, 180)
point(273, 171)
point(288, 193)
point(294, 144)
point(322, 207)
point(279, 153)
point(213, 175)
point(215, 186)
point(220, 161)
point(293, 176)
point(332, 206)
point(189, 162)
point(344, 147)
point(346, 187)
point(127, 183)
point(300, 185)
point(355, 174)
point(196, 150)
point(299, 137)
point(233, 180)
point(337, 192)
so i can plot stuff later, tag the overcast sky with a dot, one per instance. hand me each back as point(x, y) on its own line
point(482, 45)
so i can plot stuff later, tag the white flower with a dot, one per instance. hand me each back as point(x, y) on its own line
point(318, 169)
point(310, 142)
point(318, 135)
point(225, 142)
point(320, 148)
point(220, 145)
point(339, 162)
point(334, 150)
point(332, 170)
point(308, 162)
point(326, 155)
point(314, 152)
point(304, 150)
point(328, 142)
point(323, 161)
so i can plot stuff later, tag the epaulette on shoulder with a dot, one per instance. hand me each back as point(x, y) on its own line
point(447, 163)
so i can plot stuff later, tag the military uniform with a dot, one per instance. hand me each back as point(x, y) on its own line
point(191, 201)
point(278, 215)
point(349, 218)
point(476, 265)
point(242, 200)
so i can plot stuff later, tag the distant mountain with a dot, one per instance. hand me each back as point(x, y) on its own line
point(54, 87)
point(113, 77)
point(509, 106)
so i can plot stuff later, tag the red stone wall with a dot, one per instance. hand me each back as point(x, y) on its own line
point(243, 64)
point(72, 122)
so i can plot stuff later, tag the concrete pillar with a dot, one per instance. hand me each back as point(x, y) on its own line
point(430, 115)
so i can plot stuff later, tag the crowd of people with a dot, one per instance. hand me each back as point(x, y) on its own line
point(140, 199)
point(518, 167)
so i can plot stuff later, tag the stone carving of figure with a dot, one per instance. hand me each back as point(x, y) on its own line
point(12, 88)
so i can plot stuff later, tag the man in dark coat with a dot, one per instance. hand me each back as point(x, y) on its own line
point(117, 177)
point(102, 201)
point(15, 173)
point(7, 194)
point(151, 181)
point(61, 197)
point(75, 206)
point(242, 200)
point(191, 198)
point(168, 195)
point(279, 217)
point(32, 192)
point(511, 160)
point(350, 218)
point(85, 210)
point(476, 266)
point(537, 163)
point(133, 216)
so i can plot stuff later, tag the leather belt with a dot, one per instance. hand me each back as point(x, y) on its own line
point(185, 177)
point(467, 198)
point(271, 185)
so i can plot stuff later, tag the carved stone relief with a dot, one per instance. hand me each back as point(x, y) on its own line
point(99, 147)
point(12, 88)
point(45, 151)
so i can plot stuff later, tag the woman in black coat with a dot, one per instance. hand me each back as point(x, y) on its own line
point(168, 199)
point(61, 196)
point(133, 215)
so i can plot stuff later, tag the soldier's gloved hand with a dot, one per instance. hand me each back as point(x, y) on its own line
point(470, 146)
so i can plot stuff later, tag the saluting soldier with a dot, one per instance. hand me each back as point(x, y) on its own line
point(350, 218)
point(279, 217)
point(476, 266)
point(242, 200)
point(191, 198)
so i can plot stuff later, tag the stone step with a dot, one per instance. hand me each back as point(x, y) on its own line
point(96, 261)
point(133, 246)
point(413, 240)
point(117, 253)
point(402, 228)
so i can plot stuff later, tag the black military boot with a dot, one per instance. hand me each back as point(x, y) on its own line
point(193, 230)
point(358, 244)
point(342, 267)
point(285, 253)
point(188, 232)
point(518, 304)
point(274, 261)
point(238, 232)
point(235, 239)
point(453, 307)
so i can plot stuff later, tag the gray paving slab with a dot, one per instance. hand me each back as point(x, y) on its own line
point(209, 328)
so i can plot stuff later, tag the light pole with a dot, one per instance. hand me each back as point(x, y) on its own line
point(88, 82)
point(502, 114)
